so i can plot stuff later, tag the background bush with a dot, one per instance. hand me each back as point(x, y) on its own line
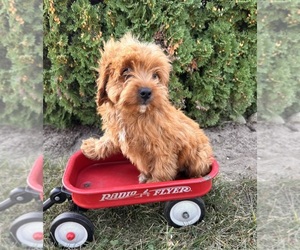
point(278, 58)
point(21, 64)
point(212, 45)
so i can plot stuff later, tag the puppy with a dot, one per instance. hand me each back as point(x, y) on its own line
point(139, 120)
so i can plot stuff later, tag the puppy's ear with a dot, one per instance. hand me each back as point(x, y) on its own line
point(165, 72)
point(163, 63)
point(104, 70)
point(102, 80)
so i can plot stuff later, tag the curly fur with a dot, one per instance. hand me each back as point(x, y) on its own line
point(159, 139)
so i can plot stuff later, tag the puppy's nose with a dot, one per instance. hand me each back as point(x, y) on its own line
point(145, 93)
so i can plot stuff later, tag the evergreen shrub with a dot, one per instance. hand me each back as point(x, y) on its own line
point(212, 45)
point(278, 58)
point(21, 63)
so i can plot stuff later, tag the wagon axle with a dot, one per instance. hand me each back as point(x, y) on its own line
point(185, 215)
point(57, 195)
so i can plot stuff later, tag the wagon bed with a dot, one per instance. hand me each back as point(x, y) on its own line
point(114, 182)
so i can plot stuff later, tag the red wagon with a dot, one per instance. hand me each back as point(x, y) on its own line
point(113, 182)
point(27, 229)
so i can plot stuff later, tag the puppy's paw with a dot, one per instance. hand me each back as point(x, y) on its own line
point(143, 178)
point(89, 148)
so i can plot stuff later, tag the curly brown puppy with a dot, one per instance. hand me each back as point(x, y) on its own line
point(138, 118)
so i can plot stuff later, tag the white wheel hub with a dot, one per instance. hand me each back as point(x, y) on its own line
point(70, 234)
point(185, 213)
point(31, 234)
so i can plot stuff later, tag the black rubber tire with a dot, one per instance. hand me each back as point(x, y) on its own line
point(178, 213)
point(21, 230)
point(72, 219)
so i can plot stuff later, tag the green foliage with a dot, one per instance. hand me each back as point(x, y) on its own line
point(278, 58)
point(73, 34)
point(213, 49)
point(21, 88)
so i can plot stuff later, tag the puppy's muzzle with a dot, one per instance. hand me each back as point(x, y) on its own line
point(144, 95)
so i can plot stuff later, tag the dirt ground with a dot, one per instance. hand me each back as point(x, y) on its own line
point(234, 146)
point(244, 151)
point(263, 151)
point(278, 152)
point(19, 144)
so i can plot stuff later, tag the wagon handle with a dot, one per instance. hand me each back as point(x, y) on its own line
point(57, 195)
point(16, 196)
point(6, 204)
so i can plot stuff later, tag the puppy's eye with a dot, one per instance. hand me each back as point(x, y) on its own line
point(155, 76)
point(126, 72)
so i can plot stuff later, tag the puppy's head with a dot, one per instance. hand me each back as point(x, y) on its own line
point(133, 75)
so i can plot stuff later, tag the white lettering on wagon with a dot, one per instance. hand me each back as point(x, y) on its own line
point(118, 196)
point(147, 192)
point(172, 190)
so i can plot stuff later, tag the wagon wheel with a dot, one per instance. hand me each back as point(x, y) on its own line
point(71, 230)
point(184, 212)
point(27, 230)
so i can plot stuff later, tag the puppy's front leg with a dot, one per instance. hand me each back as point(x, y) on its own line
point(164, 169)
point(98, 148)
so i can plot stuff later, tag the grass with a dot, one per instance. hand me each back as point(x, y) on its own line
point(279, 215)
point(230, 221)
